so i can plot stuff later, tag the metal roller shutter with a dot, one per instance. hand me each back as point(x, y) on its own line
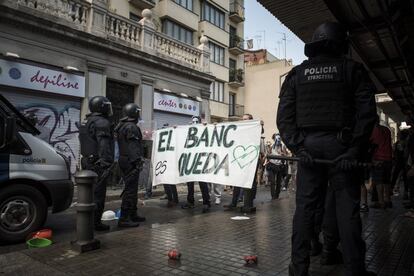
point(57, 116)
point(171, 119)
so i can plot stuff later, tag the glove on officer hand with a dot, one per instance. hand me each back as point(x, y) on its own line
point(305, 157)
point(348, 160)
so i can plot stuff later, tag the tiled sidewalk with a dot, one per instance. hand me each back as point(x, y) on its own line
point(213, 244)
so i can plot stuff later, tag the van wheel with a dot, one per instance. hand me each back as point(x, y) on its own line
point(23, 210)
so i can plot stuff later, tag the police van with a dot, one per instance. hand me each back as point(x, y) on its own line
point(33, 177)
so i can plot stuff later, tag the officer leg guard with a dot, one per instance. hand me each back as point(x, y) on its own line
point(99, 199)
point(316, 245)
point(311, 181)
point(129, 217)
point(347, 199)
point(330, 232)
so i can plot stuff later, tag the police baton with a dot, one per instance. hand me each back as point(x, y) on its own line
point(316, 161)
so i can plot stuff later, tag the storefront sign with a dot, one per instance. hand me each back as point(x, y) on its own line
point(39, 78)
point(225, 154)
point(175, 104)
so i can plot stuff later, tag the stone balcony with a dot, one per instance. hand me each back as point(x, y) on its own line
point(236, 77)
point(236, 11)
point(143, 4)
point(94, 18)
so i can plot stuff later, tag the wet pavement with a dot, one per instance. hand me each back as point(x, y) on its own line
point(213, 244)
point(64, 224)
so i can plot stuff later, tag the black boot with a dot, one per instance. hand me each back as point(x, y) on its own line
point(134, 217)
point(292, 270)
point(316, 248)
point(248, 209)
point(188, 205)
point(206, 208)
point(126, 221)
point(331, 257)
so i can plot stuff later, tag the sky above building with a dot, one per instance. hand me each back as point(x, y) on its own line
point(268, 32)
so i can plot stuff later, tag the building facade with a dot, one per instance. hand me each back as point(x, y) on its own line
point(264, 78)
point(222, 22)
point(56, 55)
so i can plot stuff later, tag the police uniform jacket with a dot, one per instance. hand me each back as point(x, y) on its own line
point(130, 143)
point(96, 140)
point(326, 93)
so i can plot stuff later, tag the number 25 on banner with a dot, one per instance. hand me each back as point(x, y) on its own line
point(160, 168)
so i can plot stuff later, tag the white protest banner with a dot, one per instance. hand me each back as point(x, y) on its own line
point(226, 153)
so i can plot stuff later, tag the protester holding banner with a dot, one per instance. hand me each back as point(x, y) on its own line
point(172, 195)
point(216, 190)
point(224, 154)
point(203, 185)
point(249, 194)
point(190, 196)
point(170, 190)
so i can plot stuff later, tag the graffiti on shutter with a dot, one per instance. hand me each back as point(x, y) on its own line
point(56, 120)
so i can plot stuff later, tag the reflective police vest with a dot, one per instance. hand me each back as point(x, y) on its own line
point(324, 99)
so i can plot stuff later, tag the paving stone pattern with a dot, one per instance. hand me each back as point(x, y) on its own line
point(213, 244)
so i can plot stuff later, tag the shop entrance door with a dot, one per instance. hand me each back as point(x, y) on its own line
point(119, 94)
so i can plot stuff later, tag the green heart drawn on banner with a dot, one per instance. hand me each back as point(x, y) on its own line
point(244, 156)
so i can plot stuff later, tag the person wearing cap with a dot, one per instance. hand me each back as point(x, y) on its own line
point(327, 111)
point(249, 194)
point(203, 185)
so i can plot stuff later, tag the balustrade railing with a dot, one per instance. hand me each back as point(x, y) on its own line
point(177, 50)
point(123, 29)
point(75, 11)
point(139, 35)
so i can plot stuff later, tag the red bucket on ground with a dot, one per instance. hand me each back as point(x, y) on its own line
point(41, 234)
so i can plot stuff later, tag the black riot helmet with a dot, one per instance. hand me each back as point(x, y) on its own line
point(100, 104)
point(131, 111)
point(328, 38)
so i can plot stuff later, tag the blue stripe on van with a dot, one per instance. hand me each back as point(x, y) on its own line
point(4, 167)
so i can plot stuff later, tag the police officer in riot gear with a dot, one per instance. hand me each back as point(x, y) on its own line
point(97, 150)
point(131, 152)
point(327, 111)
